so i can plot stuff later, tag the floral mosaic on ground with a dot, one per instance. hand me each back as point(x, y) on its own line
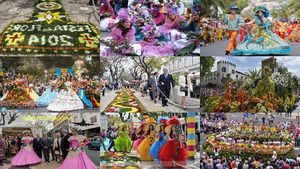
point(119, 160)
point(49, 31)
point(267, 94)
point(125, 102)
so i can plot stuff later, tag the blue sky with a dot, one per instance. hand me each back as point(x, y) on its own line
point(250, 62)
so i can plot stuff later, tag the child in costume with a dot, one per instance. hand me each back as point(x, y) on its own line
point(139, 32)
point(140, 134)
point(156, 14)
point(244, 29)
point(172, 29)
point(283, 28)
point(160, 129)
point(233, 21)
point(173, 154)
point(123, 142)
point(124, 30)
point(143, 148)
point(107, 16)
point(260, 39)
point(152, 47)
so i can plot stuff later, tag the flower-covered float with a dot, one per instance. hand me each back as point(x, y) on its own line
point(251, 139)
point(269, 93)
point(49, 31)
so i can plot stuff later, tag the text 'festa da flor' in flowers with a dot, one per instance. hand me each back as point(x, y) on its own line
point(49, 32)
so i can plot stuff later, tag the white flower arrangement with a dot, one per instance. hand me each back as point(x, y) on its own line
point(279, 79)
point(77, 148)
point(148, 33)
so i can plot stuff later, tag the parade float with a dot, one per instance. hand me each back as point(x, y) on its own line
point(251, 140)
point(49, 32)
point(125, 102)
point(267, 94)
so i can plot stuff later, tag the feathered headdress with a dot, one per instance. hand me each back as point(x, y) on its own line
point(155, 8)
point(149, 31)
point(26, 131)
point(171, 9)
point(124, 15)
point(76, 128)
point(123, 124)
point(265, 10)
point(161, 121)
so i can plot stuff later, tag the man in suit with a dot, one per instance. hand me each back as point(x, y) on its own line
point(37, 145)
point(46, 143)
point(165, 81)
point(149, 87)
point(64, 143)
point(51, 147)
point(154, 84)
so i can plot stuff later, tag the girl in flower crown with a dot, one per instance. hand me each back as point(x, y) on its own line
point(124, 30)
point(260, 39)
point(157, 15)
point(66, 99)
point(107, 16)
point(172, 29)
point(140, 135)
point(152, 47)
point(143, 148)
point(123, 142)
point(26, 155)
point(76, 158)
point(173, 154)
point(82, 87)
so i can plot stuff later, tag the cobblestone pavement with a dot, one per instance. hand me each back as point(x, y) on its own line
point(16, 10)
point(92, 154)
point(147, 103)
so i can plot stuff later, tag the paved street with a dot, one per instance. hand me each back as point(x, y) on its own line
point(17, 10)
point(92, 154)
point(148, 104)
point(210, 49)
point(42, 109)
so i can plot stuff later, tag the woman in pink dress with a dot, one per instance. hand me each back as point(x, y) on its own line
point(76, 158)
point(172, 29)
point(139, 133)
point(107, 16)
point(26, 155)
point(124, 30)
point(151, 46)
point(157, 15)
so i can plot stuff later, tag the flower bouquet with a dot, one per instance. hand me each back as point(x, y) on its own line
point(105, 15)
point(121, 46)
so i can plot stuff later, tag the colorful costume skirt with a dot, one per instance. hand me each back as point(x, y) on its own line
point(123, 143)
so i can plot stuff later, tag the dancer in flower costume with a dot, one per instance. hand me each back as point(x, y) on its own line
point(140, 134)
point(143, 148)
point(261, 40)
point(160, 129)
point(173, 154)
point(31, 92)
point(66, 99)
point(294, 36)
point(157, 15)
point(107, 16)
point(76, 158)
point(18, 96)
point(49, 95)
point(120, 35)
point(26, 155)
point(82, 87)
point(153, 47)
point(123, 142)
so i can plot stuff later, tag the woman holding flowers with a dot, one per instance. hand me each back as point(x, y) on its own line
point(121, 40)
point(123, 142)
point(26, 155)
point(143, 148)
point(76, 158)
point(49, 95)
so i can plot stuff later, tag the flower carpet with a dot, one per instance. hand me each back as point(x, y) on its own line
point(125, 102)
point(49, 32)
point(119, 160)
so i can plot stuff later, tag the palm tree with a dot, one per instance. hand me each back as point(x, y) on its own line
point(285, 11)
point(253, 73)
point(294, 6)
